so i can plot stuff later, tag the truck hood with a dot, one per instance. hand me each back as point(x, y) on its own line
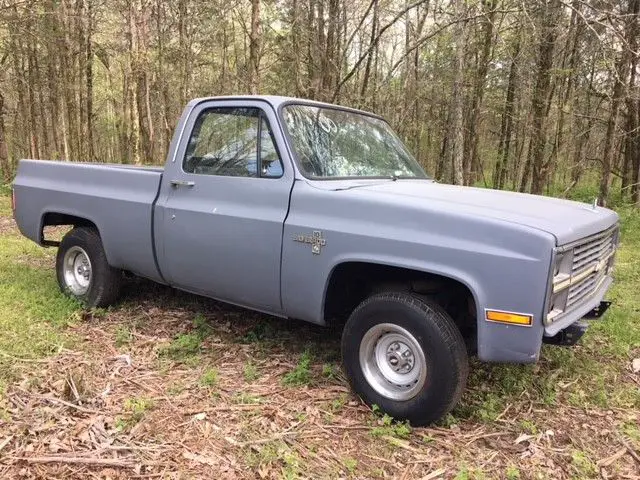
point(566, 220)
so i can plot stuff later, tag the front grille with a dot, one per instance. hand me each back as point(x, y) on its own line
point(591, 257)
point(582, 290)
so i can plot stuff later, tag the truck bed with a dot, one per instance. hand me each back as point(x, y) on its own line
point(118, 199)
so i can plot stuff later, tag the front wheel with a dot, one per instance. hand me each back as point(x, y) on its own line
point(83, 271)
point(405, 354)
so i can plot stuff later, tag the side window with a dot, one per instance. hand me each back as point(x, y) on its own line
point(271, 166)
point(233, 142)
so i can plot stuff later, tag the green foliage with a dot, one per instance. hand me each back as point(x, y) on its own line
point(351, 464)
point(183, 346)
point(512, 473)
point(33, 312)
point(338, 404)
point(388, 427)
point(529, 427)
point(250, 371)
point(301, 374)
point(262, 331)
point(209, 378)
point(330, 371)
point(463, 474)
point(247, 398)
point(201, 326)
point(135, 408)
point(582, 464)
point(124, 336)
point(188, 345)
point(277, 453)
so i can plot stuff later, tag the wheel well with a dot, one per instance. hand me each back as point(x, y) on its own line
point(352, 282)
point(53, 219)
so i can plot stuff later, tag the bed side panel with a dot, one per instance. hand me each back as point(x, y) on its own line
point(117, 200)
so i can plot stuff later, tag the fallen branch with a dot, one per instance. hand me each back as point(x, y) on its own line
point(68, 404)
point(630, 449)
point(605, 462)
point(106, 462)
point(5, 442)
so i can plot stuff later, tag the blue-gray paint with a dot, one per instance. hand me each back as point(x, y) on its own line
point(231, 238)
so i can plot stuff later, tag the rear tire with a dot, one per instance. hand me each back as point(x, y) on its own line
point(405, 354)
point(83, 271)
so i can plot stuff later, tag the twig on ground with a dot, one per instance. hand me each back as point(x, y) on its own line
point(106, 462)
point(605, 462)
point(5, 442)
point(630, 449)
point(435, 474)
point(68, 404)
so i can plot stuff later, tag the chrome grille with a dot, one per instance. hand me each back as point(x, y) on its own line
point(592, 255)
point(592, 250)
point(580, 291)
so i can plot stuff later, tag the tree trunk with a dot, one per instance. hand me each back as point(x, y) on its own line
point(541, 99)
point(456, 130)
point(254, 48)
point(373, 42)
point(89, 79)
point(617, 97)
point(471, 155)
point(506, 127)
point(5, 166)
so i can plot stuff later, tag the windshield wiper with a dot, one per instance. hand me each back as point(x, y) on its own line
point(393, 178)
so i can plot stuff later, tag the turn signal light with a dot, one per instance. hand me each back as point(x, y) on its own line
point(509, 317)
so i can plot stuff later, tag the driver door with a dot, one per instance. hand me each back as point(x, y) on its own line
point(225, 204)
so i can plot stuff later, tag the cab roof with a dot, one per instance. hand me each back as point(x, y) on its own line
point(277, 101)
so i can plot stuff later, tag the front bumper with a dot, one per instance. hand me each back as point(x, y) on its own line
point(580, 312)
point(574, 332)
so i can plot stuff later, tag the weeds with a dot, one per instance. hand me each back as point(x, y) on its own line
point(301, 374)
point(209, 378)
point(183, 346)
point(390, 428)
point(124, 336)
point(251, 373)
point(135, 408)
point(582, 464)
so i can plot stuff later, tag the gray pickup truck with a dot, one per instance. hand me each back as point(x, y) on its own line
point(317, 212)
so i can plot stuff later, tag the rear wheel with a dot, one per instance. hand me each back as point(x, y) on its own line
point(83, 271)
point(404, 353)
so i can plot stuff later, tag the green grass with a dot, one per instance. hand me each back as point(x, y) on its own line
point(387, 427)
point(251, 373)
point(135, 410)
point(301, 374)
point(33, 312)
point(209, 378)
point(187, 346)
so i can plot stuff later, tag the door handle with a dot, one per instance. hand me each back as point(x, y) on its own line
point(182, 183)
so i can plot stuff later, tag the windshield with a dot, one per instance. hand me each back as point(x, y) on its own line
point(329, 142)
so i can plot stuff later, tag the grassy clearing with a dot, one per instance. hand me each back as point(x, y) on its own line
point(33, 313)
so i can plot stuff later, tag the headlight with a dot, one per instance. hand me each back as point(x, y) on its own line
point(561, 273)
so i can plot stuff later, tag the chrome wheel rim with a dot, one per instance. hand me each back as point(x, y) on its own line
point(393, 362)
point(77, 270)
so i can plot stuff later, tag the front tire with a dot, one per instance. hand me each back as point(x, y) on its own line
point(405, 354)
point(83, 271)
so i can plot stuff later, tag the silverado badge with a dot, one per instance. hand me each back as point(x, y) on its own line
point(315, 240)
